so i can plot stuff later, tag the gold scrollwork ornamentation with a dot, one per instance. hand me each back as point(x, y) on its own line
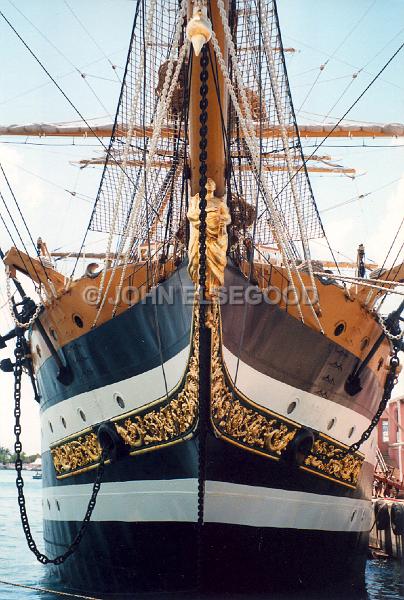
point(232, 418)
point(78, 453)
point(237, 420)
point(170, 422)
point(346, 469)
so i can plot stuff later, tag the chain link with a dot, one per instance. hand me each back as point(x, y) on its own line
point(204, 332)
point(25, 324)
point(391, 380)
point(42, 558)
point(388, 333)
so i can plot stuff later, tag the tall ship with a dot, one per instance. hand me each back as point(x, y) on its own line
point(208, 392)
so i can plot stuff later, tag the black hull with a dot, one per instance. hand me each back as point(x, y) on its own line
point(116, 557)
point(133, 554)
point(120, 556)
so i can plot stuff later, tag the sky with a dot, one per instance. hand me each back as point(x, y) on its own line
point(339, 48)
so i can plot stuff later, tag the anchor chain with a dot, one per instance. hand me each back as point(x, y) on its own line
point(42, 558)
point(204, 331)
point(391, 380)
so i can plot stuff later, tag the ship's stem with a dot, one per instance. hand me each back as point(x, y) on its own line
point(217, 112)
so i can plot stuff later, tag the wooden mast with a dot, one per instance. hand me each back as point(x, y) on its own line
point(216, 161)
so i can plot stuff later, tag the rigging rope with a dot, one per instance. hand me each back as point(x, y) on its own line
point(392, 244)
point(251, 141)
point(26, 227)
point(128, 142)
point(58, 50)
point(251, 257)
point(92, 39)
point(155, 312)
point(375, 78)
point(109, 154)
point(360, 281)
point(21, 240)
point(131, 230)
point(285, 139)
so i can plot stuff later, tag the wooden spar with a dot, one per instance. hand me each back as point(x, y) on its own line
point(391, 130)
point(160, 164)
point(89, 255)
point(215, 149)
point(101, 255)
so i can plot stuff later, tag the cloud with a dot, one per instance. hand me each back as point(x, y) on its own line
point(385, 228)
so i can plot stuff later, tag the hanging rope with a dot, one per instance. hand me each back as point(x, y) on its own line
point(128, 142)
point(250, 139)
point(285, 139)
point(131, 229)
point(363, 282)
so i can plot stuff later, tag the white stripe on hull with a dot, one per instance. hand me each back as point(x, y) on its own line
point(176, 500)
point(312, 411)
point(100, 404)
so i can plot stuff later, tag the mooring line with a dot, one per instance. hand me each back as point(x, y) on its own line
point(47, 590)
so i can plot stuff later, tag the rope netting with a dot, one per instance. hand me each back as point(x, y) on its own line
point(124, 170)
point(254, 23)
point(161, 215)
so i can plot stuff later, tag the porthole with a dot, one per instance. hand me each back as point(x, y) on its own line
point(50, 426)
point(339, 328)
point(331, 423)
point(351, 431)
point(63, 420)
point(82, 414)
point(38, 351)
point(120, 401)
point(57, 505)
point(78, 321)
point(53, 334)
point(48, 504)
point(291, 407)
point(380, 364)
point(364, 343)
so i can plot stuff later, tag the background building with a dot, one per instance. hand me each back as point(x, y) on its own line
point(391, 437)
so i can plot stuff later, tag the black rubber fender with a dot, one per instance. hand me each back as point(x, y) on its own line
point(110, 441)
point(382, 515)
point(397, 518)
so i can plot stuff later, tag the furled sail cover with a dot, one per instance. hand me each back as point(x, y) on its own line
point(256, 35)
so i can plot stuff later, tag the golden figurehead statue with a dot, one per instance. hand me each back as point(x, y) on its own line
point(217, 219)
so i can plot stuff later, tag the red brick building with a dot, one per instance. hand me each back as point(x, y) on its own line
point(390, 436)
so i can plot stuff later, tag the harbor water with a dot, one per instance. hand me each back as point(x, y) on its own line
point(384, 578)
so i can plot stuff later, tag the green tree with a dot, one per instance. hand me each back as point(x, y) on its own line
point(5, 455)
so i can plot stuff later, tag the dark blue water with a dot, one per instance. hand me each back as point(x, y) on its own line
point(384, 578)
